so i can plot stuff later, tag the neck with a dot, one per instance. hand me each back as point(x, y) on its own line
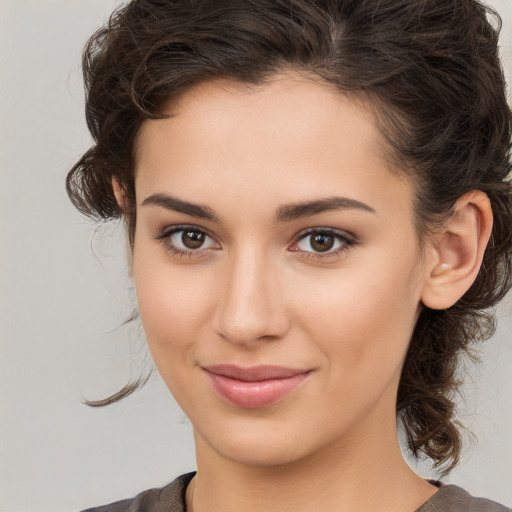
point(361, 472)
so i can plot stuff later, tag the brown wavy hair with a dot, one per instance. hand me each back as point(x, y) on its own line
point(428, 70)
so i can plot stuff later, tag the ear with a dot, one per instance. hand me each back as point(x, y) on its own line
point(119, 193)
point(120, 196)
point(456, 253)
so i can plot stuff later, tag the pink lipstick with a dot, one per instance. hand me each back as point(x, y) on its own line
point(256, 386)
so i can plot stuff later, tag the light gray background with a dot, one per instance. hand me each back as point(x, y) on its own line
point(64, 292)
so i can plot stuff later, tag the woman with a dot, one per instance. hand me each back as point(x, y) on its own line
point(318, 209)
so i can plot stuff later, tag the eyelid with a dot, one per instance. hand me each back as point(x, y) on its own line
point(345, 238)
point(349, 237)
point(169, 230)
point(166, 234)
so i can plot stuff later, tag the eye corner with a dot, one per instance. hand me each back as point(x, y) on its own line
point(341, 243)
point(177, 247)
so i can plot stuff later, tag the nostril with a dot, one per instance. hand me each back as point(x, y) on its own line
point(250, 308)
point(246, 326)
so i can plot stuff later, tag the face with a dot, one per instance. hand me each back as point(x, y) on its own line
point(277, 267)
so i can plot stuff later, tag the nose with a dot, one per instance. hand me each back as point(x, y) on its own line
point(251, 307)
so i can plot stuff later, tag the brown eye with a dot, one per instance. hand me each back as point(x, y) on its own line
point(187, 240)
point(321, 242)
point(193, 239)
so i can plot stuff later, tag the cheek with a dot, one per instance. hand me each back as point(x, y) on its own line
point(173, 303)
point(362, 316)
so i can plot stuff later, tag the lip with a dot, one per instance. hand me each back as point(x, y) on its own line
point(256, 386)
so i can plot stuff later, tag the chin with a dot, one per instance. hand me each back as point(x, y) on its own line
point(259, 445)
point(265, 454)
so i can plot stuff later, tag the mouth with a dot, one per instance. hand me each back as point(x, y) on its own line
point(254, 387)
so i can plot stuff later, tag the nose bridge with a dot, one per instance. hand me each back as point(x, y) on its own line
point(250, 306)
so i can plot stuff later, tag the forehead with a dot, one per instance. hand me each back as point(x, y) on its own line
point(285, 106)
point(290, 137)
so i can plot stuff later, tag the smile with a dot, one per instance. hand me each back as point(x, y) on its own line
point(254, 387)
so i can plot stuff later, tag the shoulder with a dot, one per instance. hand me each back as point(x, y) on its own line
point(170, 498)
point(451, 498)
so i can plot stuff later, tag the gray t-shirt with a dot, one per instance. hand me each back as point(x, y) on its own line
point(171, 498)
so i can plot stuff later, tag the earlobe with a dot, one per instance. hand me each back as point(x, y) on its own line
point(457, 252)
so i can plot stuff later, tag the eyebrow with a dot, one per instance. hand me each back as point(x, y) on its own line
point(285, 213)
point(178, 205)
point(307, 209)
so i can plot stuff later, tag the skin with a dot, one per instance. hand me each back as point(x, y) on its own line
point(258, 292)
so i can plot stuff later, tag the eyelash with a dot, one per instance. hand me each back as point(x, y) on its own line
point(344, 239)
point(165, 239)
